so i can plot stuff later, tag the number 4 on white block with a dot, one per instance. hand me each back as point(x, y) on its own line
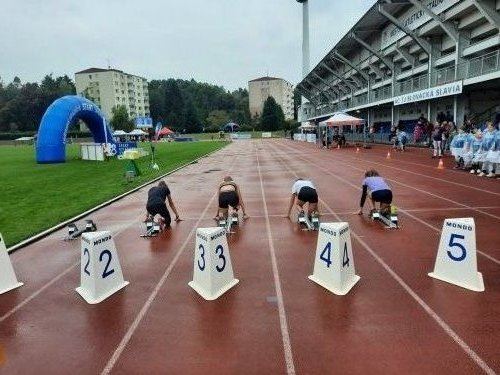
point(334, 260)
point(456, 260)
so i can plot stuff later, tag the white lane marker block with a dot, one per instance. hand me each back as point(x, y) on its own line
point(100, 270)
point(212, 270)
point(8, 279)
point(334, 261)
point(456, 260)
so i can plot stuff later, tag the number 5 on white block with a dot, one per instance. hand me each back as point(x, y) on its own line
point(100, 270)
point(456, 260)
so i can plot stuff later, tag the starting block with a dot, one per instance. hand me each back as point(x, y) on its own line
point(100, 271)
point(212, 270)
point(228, 222)
point(311, 224)
point(456, 260)
point(8, 279)
point(390, 221)
point(334, 260)
point(74, 232)
point(152, 228)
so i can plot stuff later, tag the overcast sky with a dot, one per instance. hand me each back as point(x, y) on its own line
point(222, 42)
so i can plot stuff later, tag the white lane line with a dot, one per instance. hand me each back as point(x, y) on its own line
point(52, 281)
point(405, 211)
point(448, 330)
point(142, 313)
point(429, 177)
point(35, 294)
point(277, 284)
point(44, 287)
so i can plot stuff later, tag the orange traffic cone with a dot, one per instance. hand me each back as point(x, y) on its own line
point(388, 154)
point(357, 150)
point(338, 146)
point(440, 164)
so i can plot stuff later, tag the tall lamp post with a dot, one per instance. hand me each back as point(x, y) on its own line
point(305, 37)
point(305, 54)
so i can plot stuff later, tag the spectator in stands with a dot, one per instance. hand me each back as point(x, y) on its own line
point(488, 145)
point(429, 131)
point(371, 134)
point(303, 191)
point(392, 136)
point(156, 205)
point(445, 135)
point(497, 151)
point(229, 195)
point(377, 189)
point(475, 152)
point(437, 135)
point(418, 132)
point(401, 140)
point(458, 147)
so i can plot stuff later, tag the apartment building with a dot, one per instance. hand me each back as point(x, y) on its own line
point(410, 57)
point(111, 87)
point(261, 88)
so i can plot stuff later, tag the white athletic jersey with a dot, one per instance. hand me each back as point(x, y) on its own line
point(300, 184)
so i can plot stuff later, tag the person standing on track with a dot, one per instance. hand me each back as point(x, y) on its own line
point(303, 191)
point(377, 190)
point(156, 204)
point(229, 195)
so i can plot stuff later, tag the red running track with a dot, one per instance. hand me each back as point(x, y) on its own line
point(396, 319)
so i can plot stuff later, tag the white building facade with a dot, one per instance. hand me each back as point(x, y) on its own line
point(261, 88)
point(108, 88)
point(409, 57)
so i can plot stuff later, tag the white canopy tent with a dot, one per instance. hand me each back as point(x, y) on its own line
point(137, 132)
point(119, 133)
point(342, 119)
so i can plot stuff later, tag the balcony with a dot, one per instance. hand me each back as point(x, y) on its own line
point(473, 68)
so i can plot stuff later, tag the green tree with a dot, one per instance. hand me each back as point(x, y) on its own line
point(216, 119)
point(272, 117)
point(120, 119)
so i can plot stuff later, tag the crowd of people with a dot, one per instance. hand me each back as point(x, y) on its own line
point(475, 147)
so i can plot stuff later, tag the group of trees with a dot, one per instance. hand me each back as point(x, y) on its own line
point(185, 105)
point(193, 107)
point(23, 105)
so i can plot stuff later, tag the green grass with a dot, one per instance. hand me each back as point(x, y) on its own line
point(35, 197)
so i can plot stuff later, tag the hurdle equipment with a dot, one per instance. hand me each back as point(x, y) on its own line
point(212, 270)
point(100, 271)
point(74, 232)
point(334, 261)
point(456, 260)
point(8, 279)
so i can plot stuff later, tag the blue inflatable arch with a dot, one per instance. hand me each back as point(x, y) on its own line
point(50, 144)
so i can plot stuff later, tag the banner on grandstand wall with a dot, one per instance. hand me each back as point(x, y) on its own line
point(452, 88)
point(413, 19)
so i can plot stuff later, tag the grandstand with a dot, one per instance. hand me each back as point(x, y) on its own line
point(405, 58)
